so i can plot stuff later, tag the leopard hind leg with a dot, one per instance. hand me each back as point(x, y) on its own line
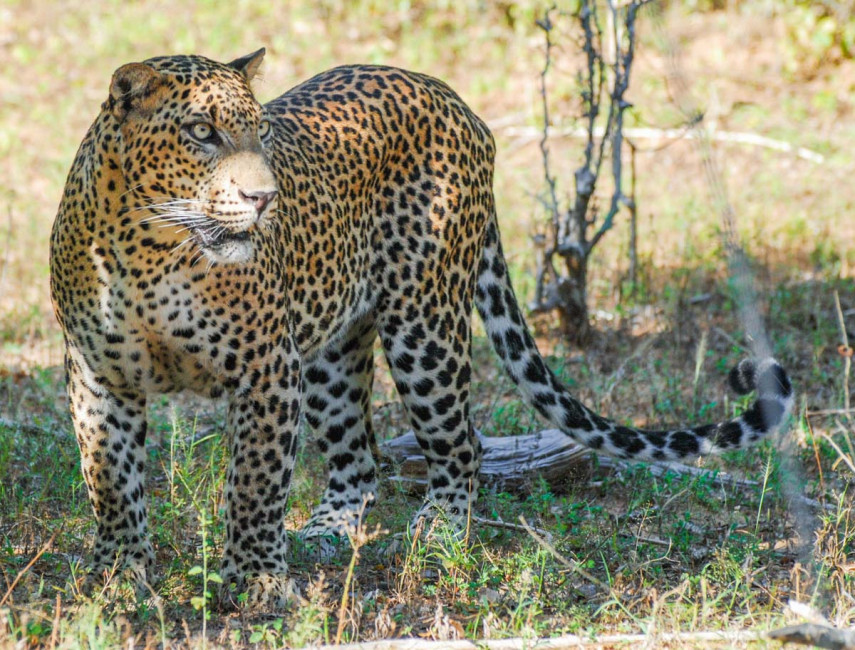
point(432, 369)
point(337, 388)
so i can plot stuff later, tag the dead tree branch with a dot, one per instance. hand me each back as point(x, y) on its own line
point(818, 636)
point(568, 642)
point(572, 233)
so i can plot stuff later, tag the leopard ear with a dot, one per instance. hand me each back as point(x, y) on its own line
point(248, 65)
point(135, 88)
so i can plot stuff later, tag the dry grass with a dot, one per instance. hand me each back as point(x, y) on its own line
point(674, 553)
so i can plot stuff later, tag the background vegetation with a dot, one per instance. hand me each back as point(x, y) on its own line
point(666, 552)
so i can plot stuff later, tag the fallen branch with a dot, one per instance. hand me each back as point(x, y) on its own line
point(514, 462)
point(558, 643)
point(508, 463)
point(817, 635)
point(644, 133)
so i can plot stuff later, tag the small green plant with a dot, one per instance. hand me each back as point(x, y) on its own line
point(269, 634)
point(202, 601)
point(310, 623)
point(200, 491)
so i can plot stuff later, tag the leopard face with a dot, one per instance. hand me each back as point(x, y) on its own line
point(193, 153)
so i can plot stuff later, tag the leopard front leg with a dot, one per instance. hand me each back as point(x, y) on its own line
point(110, 425)
point(262, 426)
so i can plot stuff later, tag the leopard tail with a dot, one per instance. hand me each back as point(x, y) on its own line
point(506, 327)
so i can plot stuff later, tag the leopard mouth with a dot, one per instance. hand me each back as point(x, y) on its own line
point(220, 237)
point(221, 246)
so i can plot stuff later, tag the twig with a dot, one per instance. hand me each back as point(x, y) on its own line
point(30, 564)
point(573, 566)
point(846, 352)
point(547, 26)
point(649, 133)
point(647, 540)
point(633, 219)
point(839, 451)
point(54, 632)
point(357, 537)
point(815, 446)
point(499, 523)
point(617, 375)
point(546, 249)
point(727, 337)
point(830, 412)
point(622, 68)
point(719, 479)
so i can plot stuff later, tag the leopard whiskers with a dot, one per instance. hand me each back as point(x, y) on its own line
point(176, 218)
point(183, 204)
point(182, 243)
point(170, 211)
point(186, 217)
point(131, 189)
point(196, 257)
point(196, 225)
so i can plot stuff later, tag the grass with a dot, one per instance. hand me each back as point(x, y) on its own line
point(673, 553)
point(631, 550)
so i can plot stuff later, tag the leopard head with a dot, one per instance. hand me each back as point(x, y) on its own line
point(192, 150)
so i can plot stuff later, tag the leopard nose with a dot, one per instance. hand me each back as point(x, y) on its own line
point(258, 199)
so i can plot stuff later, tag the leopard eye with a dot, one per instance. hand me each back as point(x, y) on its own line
point(202, 131)
point(264, 129)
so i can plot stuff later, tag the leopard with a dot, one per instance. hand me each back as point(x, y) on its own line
point(207, 242)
